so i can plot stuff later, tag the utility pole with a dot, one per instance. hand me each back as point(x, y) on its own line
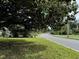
point(68, 29)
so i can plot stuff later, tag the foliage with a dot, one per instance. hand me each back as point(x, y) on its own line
point(33, 15)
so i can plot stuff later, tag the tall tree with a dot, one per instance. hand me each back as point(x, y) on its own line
point(33, 14)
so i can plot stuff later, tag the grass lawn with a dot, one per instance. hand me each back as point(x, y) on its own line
point(76, 37)
point(34, 48)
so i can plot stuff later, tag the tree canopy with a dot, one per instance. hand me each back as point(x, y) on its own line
point(32, 14)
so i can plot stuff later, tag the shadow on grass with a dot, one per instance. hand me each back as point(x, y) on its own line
point(21, 50)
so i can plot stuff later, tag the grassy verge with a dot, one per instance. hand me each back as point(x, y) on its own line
point(34, 48)
point(75, 37)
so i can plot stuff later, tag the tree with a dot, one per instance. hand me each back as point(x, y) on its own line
point(32, 14)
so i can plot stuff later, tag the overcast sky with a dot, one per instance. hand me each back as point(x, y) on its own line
point(77, 15)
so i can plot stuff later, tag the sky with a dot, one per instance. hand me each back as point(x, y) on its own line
point(77, 15)
point(77, 1)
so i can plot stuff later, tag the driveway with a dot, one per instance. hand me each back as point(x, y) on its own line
point(68, 43)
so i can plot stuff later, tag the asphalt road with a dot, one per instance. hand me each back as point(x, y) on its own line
point(68, 43)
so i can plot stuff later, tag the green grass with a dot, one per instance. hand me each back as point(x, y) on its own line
point(34, 48)
point(75, 37)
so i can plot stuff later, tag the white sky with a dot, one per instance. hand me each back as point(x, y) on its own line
point(77, 1)
point(77, 15)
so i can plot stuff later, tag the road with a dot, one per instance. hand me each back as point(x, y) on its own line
point(68, 43)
